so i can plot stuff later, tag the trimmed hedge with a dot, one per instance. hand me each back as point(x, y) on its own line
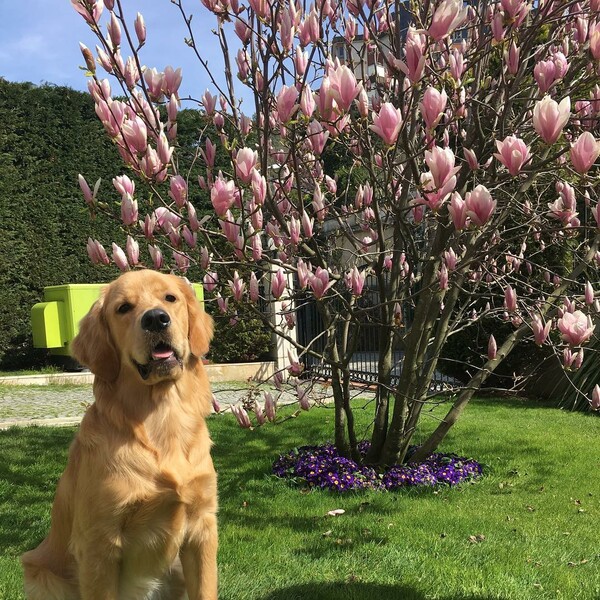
point(49, 135)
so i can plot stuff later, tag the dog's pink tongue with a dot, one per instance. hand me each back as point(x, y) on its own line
point(160, 354)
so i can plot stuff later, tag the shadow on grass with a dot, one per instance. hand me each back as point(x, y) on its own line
point(356, 591)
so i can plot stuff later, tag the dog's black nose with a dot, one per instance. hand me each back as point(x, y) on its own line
point(155, 320)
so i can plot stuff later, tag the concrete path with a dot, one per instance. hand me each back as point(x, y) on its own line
point(64, 404)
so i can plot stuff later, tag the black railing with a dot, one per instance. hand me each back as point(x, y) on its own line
point(364, 364)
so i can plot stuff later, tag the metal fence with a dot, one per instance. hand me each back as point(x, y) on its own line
point(364, 363)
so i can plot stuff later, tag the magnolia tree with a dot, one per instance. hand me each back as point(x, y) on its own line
point(468, 134)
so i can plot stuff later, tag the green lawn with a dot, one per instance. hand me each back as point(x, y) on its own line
point(527, 529)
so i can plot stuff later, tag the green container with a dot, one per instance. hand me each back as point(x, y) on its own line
point(55, 322)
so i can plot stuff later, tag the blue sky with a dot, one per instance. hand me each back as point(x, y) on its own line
point(40, 42)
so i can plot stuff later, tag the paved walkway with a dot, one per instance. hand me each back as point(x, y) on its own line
point(65, 404)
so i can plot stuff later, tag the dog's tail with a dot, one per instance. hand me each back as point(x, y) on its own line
point(41, 583)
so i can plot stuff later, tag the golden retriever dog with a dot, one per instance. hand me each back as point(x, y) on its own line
point(134, 517)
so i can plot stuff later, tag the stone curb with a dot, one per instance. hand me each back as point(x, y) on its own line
point(217, 373)
point(58, 422)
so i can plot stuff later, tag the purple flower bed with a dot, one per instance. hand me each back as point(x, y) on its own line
point(322, 467)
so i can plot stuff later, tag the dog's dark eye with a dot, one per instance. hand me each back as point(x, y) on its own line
point(170, 298)
point(124, 308)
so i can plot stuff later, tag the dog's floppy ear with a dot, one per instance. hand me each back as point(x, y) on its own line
point(200, 326)
point(93, 346)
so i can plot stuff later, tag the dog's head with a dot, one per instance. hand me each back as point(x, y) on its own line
point(145, 322)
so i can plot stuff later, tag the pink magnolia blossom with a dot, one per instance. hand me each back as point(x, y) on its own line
point(317, 137)
point(544, 74)
point(286, 103)
point(166, 219)
point(594, 37)
point(550, 117)
point(344, 86)
point(210, 281)
point(307, 225)
point(119, 257)
point(515, 8)
point(124, 185)
point(540, 331)
point(471, 158)
point(443, 277)
point(561, 64)
point(397, 314)
point(584, 152)
point(129, 210)
point(209, 153)
point(156, 256)
point(450, 259)
point(135, 134)
point(302, 392)
point(239, 412)
point(589, 294)
point(154, 83)
point(278, 283)
point(319, 282)
point(222, 195)
point(294, 230)
point(433, 106)
point(449, 15)
point(88, 195)
point(190, 237)
point(480, 205)
point(355, 281)
point(307, 101)
point(595, 399)
point(222, 303)
point(259, 188)
point(140, 29)
point(245, 164)
point(576, 328)
point(132, 249)
point(178, 190)
point(303, 273)
point(511, 58)
point(441, 164)
point(257, 248)
point(295, 367)
point(96, 252)
point(254, 287)
point(318, 204)
point(90, 11)
point(387, 123)
point(209, 102)
point(308, 30)
point(270, 407)
point(362, 102)
point(414, 54)
point(172, 81)
point(510, 299)
point(458, 211)
point(497, 26)
point(492, 350)
point(182, 261)
point(513, 153)
point(237, 287)
point(564, 207)
point(300, 61)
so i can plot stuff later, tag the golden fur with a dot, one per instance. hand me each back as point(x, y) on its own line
point(134, 517)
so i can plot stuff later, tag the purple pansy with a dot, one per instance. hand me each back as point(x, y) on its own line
point(322, 467)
